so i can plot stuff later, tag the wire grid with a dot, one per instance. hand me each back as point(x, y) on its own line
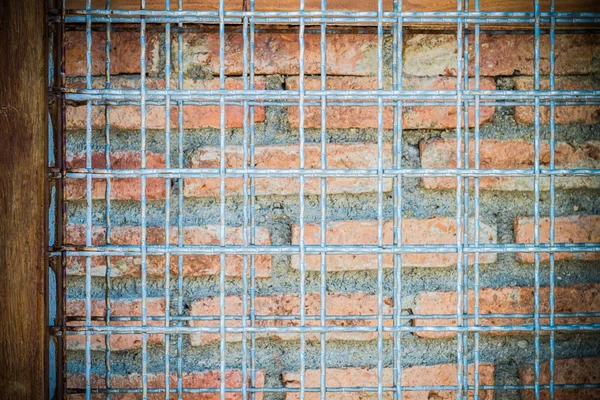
point(463, 98)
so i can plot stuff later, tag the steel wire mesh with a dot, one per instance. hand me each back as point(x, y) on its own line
point(175, 324)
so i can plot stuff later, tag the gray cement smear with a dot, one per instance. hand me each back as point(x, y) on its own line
point(508, 352)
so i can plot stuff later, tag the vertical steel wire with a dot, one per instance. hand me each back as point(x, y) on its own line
point(222, 167)
point(143, 210)
point(466, 228)
point(459, 211)
point(167, 258)
point(88, 195)
point(301, 215)
point(323, 266)
point(253, 382)
point(536, 204)
point(379, 201)
point(252, 219)
point(62, 384)
point(552, 200)
point(245, 226)
point(397, 70)
point(107, 275)
point(180, 122)
point(477, 161)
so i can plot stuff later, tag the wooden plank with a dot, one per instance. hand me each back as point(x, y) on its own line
point(23, 155)
point(346, 5)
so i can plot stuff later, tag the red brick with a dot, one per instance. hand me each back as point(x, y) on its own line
point(502, 55)
point(196, 380)
point(339, 156)
point(509, 300)
point(124, 53)
point(277, 53)
point(193, 265)
point(354, 304)
point(437, 230)
point(124, 82)
point(431, 375)
point(566, 371)
point(119, 307)
point(567, 229)
point(121, 188)
point(587, 115)
point(512, 154)
point(194, 116)
point(416, 117)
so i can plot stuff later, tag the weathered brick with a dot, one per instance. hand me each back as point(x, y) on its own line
point(354, 304)
point(415, 117)
point(125, 50)
point(278, 53)
point(437, 230)
point(123, 82)
point(501, 55)
point(119, 307)
point(586, 115)
point(194, 116)
point(567, 229)
point(196, 380)
point(512, 154)
point(566, 371)
point(193, 265)
point(121, 188)
point(508, 300)
point(339, 156)
point(431, 375)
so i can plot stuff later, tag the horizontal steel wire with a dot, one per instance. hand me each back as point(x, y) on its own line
point(186, 330)
point(114, 250)
point(328, 17)
point(386, 103)
point(463, 15)
point(166, 173)
point(347, 389)
point(54, 17)
point(431, 95)
point(288, 317)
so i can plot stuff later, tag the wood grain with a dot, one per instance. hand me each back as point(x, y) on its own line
point(362, 5)
point(23, 104)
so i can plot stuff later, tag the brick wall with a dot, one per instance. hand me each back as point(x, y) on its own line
point(429, 207)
